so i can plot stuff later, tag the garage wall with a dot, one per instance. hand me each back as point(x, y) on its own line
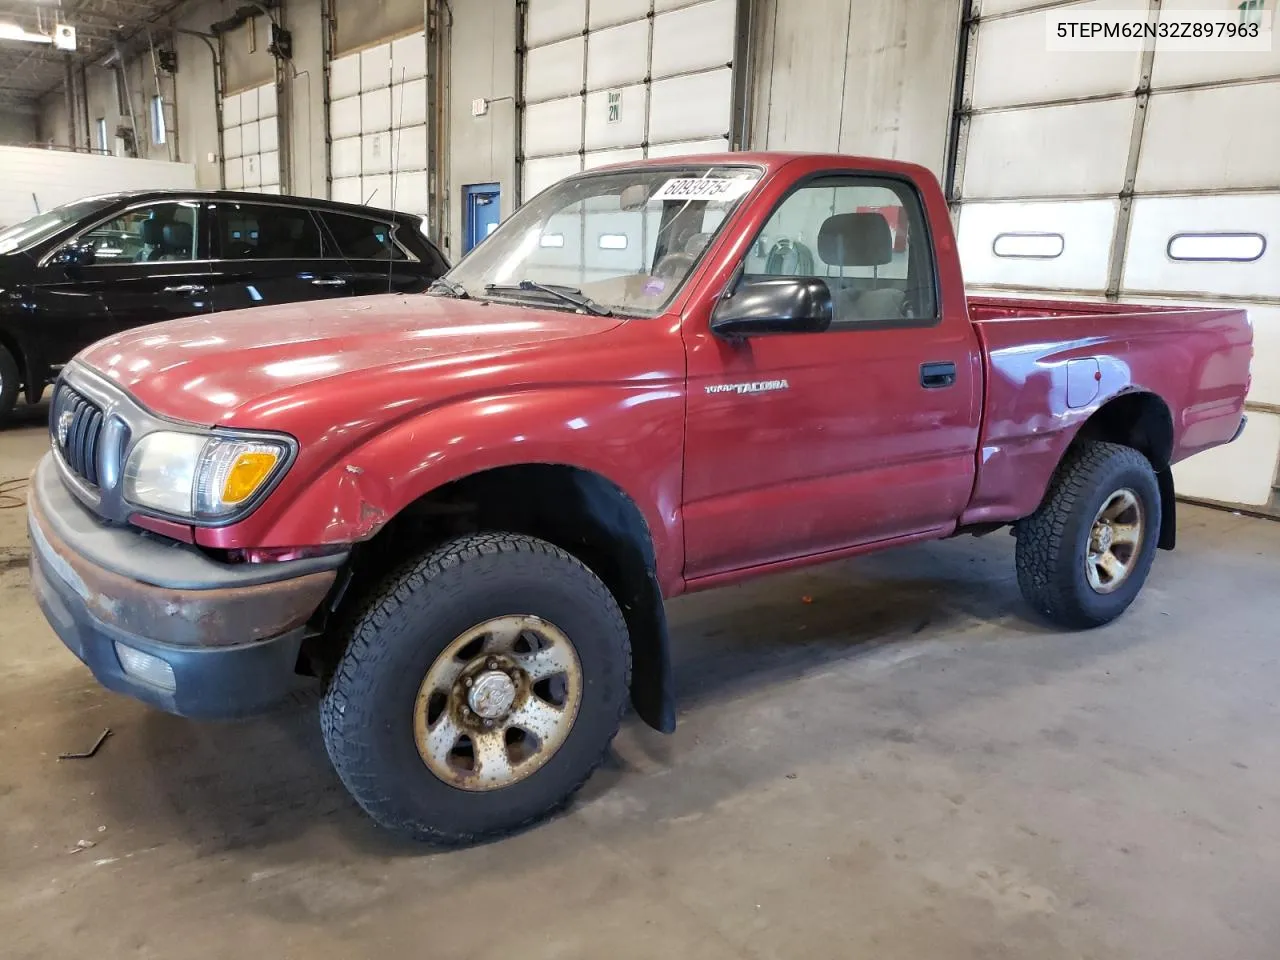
point(379, 125)
point(195, 97)
point(303, 97)
point(251, 139)
point(1077, 171)
point(252, 122)
point(189, 101)
point(616, 81)
point(17, 128)
point(482, 64)
point(105, 99)
point(870, 77)
point(36, 180)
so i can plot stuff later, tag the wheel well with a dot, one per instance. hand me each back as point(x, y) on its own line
point(1138, 420)
point(579, 511)
point(1141, 421)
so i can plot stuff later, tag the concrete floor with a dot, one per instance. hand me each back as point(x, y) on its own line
point(904, 765)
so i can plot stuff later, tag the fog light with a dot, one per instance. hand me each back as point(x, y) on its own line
point(145, 667)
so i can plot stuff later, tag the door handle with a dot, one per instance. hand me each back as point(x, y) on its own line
point(934, 376)
point(185, 288)
point(328, 282)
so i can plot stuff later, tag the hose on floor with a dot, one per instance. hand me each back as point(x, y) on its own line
point(12, 494)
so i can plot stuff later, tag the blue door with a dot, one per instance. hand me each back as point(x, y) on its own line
point(483, 206)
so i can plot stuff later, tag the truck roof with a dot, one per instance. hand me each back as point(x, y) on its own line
point(772, 161)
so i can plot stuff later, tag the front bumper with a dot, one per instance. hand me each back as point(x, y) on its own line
point(229, 633)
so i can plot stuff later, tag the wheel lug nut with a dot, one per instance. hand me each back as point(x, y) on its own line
point(492, 664)
point(488, 723)
point(467, 682)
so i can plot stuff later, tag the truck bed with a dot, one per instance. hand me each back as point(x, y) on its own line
point(1050, 364)
point(987, 308)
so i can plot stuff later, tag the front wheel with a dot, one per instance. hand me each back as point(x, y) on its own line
point(1084, 555)
point(480, 687)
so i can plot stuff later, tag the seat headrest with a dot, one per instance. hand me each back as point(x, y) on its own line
point(152, 232)
point(177, 236)
point(855, 240)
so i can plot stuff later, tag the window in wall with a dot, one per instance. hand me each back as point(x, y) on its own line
point(101, 127)
point(158, 131)
point(1224, 247)
point(250, 231)
point(865, 237)
point(1029, 246)
point(360, 238)
point(158, 232)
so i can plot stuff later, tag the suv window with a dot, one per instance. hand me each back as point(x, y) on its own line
point(360, 238)
point(865, 237)
point(252, 231)
point(167, 231)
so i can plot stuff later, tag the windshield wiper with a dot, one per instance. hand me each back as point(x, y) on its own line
point(568, 294)
point(451, 287)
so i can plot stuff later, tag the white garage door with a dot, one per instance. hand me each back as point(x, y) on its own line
point(378, 124)
point(1148, 176)
point(613, 80)
point(251, 140)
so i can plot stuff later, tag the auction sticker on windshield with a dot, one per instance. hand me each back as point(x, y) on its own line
point(704, 188)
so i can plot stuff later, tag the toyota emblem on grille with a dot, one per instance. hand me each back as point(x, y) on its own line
point(64, 426)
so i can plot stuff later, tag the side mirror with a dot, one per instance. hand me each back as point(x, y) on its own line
point(776, 305)
point(73, 256)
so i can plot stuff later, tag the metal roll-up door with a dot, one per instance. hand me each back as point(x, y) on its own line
point(378, 125)
point(1146, 176)
point(612, 80)
point(251, 140)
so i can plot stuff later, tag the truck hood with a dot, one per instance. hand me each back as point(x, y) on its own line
point(205, 369)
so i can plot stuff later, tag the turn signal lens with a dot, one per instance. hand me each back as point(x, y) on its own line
point(233, 471)
point(247, 474)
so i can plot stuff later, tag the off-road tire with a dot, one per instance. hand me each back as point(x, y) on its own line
point(398, 630)
point(10, 377)
point(1053, 541)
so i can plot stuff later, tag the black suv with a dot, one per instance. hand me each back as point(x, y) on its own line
point(86, 270)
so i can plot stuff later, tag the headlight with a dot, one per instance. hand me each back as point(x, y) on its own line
point(200, 477)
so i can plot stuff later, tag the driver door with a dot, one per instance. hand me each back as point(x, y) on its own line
point(799, 444)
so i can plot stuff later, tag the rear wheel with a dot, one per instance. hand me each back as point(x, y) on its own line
point(1084, 555)
point(9, 383)
point(481, 686)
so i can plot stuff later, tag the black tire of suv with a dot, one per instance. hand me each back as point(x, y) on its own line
point(1053, 542)
point(395, 635)
point(9, 383)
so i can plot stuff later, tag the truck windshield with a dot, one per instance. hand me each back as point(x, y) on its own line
point(45, 225)
point(625, 240)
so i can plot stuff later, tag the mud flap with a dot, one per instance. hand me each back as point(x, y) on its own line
point(1168, 510)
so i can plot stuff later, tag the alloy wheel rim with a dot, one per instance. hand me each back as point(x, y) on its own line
point(1115, 541)
point(497, 703)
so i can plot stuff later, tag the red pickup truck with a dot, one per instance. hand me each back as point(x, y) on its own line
point(464, 510)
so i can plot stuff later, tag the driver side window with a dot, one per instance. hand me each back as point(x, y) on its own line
point(167, 232)
point(863, 236)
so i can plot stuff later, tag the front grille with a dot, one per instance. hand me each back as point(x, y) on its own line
point(76, 425)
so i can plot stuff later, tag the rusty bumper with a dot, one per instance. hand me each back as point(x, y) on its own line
point(229, 634)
